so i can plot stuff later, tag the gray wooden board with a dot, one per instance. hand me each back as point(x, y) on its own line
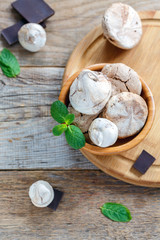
point(26, 139)
point(78, 216)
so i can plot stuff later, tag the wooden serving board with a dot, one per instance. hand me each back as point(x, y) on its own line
point(145, 60)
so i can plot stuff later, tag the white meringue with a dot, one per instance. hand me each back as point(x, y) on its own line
point(41, 193)
point(122, 78)
point(103, 132)
point(122, 26)
point(128, 111)
point(32, 37)
point(89, 92)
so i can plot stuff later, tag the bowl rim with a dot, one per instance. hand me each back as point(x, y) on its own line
point(138, 138)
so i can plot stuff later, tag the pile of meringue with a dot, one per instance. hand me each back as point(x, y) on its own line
point(107, 104)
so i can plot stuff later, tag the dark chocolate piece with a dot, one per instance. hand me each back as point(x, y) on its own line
point(34, 11)
point(57, 198)
point(144, 161)
point(10, 34)
point(43, 24)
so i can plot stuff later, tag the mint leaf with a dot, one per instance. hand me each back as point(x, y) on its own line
point(116, 212)
point(75, 137)
point(59, 111)
point(9, 64)
point(59, 129)
point(69, 119)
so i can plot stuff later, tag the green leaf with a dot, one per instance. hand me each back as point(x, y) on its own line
point(59, 129)
point(75, 137)
point(9, 64)
point(59, 111)
point(69, 119)
point(116, 212)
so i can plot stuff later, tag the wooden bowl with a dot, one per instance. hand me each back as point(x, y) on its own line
point(122, 144)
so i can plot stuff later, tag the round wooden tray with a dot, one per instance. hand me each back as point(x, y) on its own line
point(145, 60)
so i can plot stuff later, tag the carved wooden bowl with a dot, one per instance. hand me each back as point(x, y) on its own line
point(122, 144)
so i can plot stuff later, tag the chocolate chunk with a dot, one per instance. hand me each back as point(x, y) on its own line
point(34, 11)
point(144, 161)
point(10, 34)
point(43, 24)
point(57, 198)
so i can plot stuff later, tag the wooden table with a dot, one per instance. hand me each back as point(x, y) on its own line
point(29, 152)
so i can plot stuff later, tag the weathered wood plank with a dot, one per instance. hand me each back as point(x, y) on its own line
point(72, 21)
point(78, 215)
point(26, 139)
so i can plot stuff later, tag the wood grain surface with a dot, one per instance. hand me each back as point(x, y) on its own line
point(78, 215)
point(26, 142)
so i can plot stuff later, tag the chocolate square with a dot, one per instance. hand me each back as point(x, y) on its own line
point(144, 161)
point(10, 34)
point(33, 11)
point(57, 198)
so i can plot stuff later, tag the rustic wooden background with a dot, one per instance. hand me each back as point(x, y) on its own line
point(27, 145)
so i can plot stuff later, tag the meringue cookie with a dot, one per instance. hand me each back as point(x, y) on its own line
point(122, 26)
point(81, 120)
point(89, 92)
point(32, 37)
point(103, 132)
point(128, 111)
point(122, 78)
point(41, 193)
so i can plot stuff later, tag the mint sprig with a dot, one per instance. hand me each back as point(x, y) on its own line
point(73, 134)
point(9, 64)
point(116, 212)
point(75, 137)
point(59, 111)
point(69, 118)
point(59, 129)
